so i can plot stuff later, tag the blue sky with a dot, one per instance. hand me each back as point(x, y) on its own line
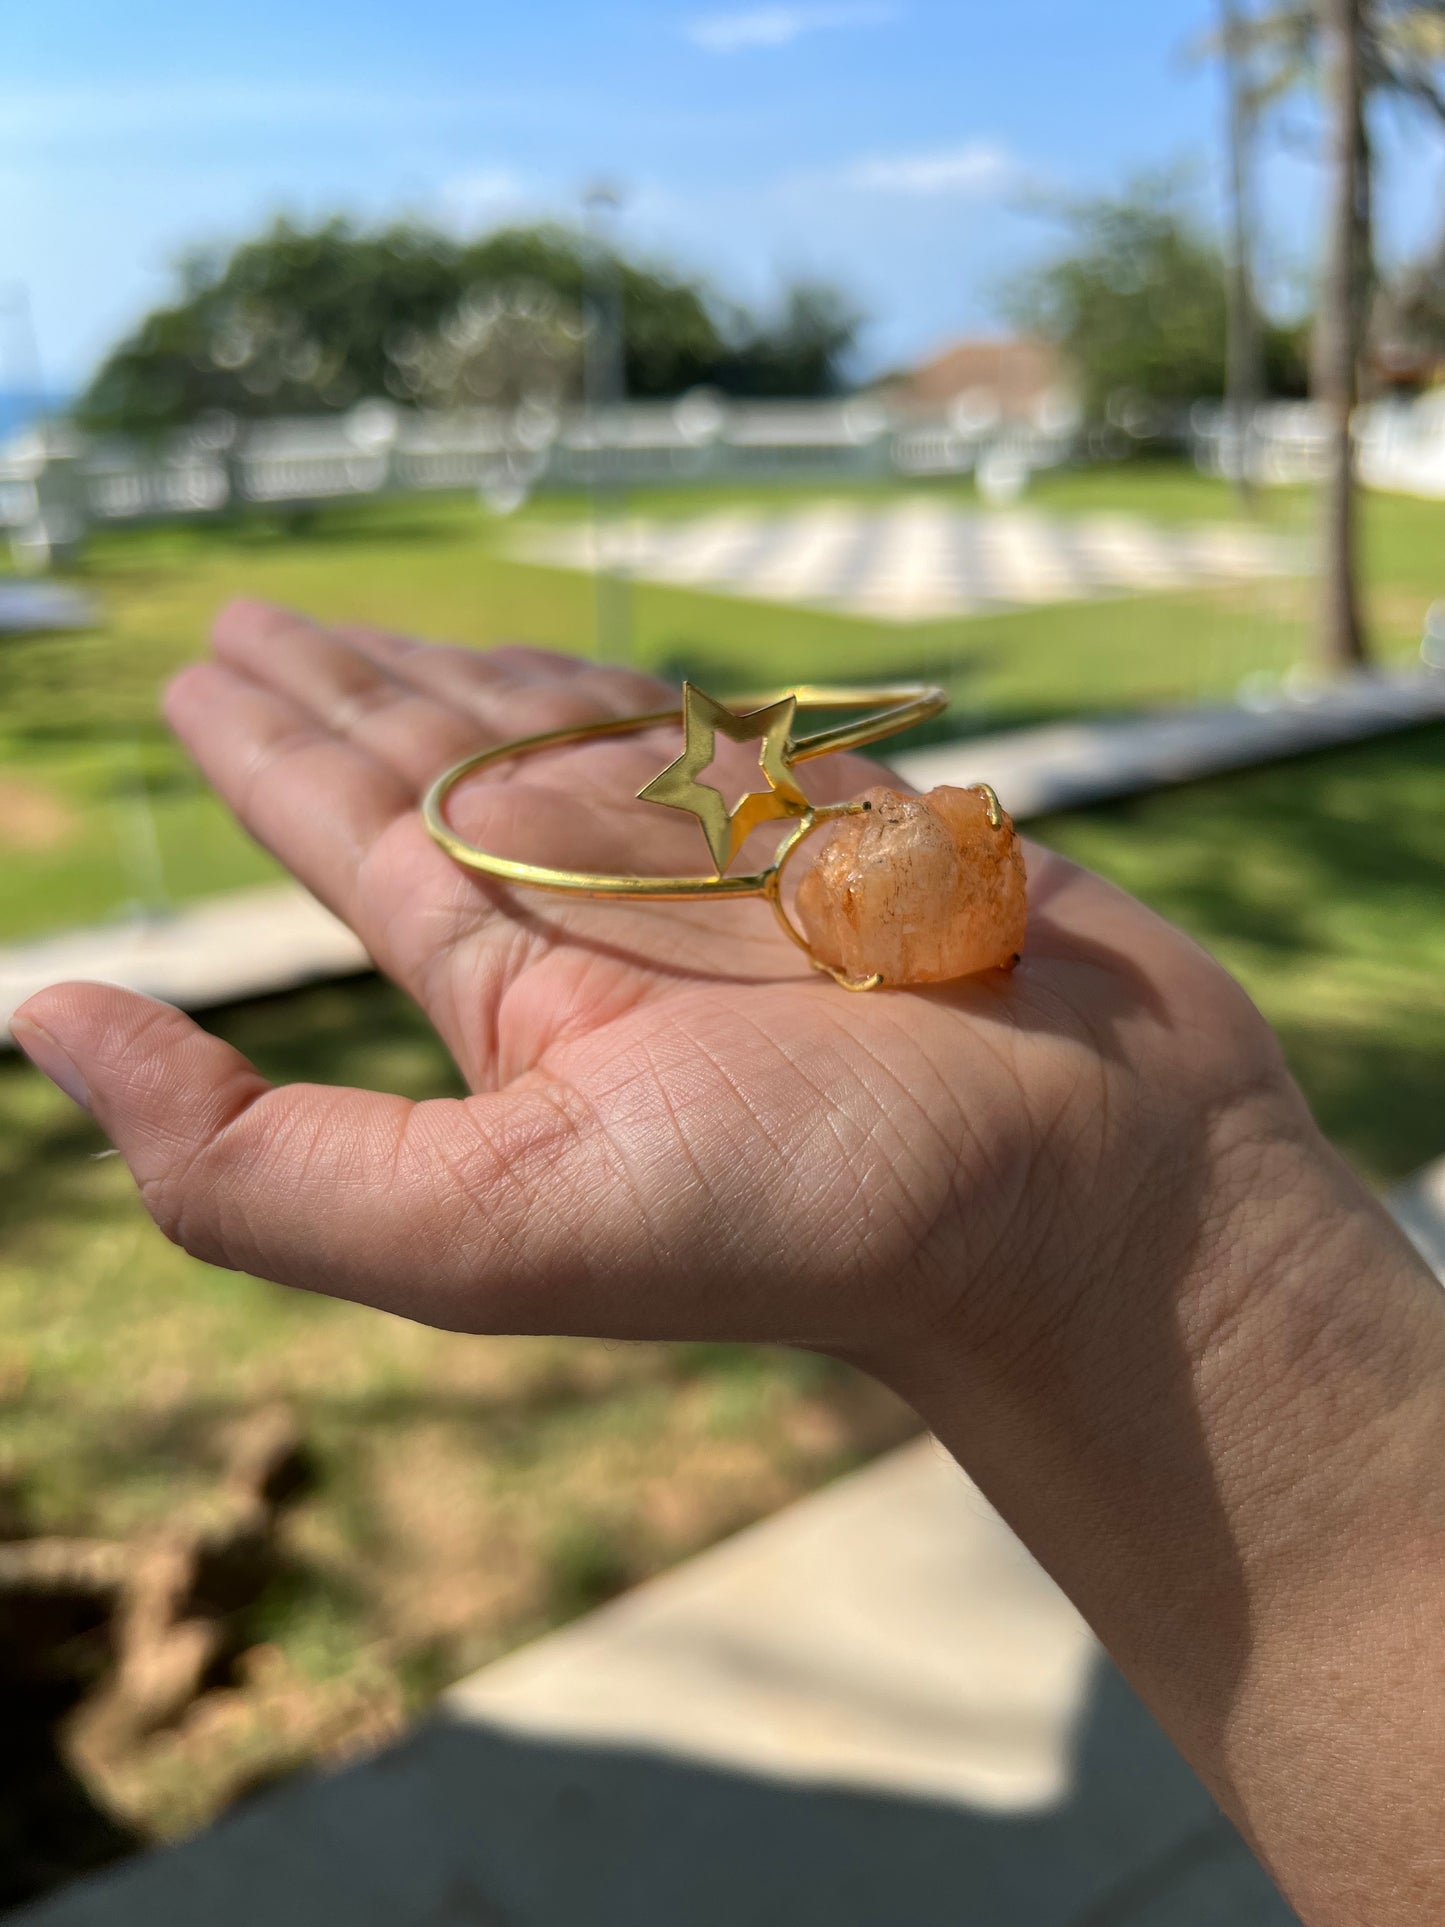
point(886, 146)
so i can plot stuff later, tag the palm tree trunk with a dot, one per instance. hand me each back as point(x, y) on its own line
point(1340, 328)
point(1243, 374)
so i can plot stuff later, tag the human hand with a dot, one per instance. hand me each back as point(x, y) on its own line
point(677, 1129)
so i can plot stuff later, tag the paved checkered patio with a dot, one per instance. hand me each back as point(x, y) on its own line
point(916, 560)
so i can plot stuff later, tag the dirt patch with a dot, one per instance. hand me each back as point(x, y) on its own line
point(105, 1643)
point(283, 1581)
point(455, 1568)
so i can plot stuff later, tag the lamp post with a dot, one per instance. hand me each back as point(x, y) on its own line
point(604, 376)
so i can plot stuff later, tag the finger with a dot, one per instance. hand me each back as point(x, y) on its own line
point(456, 703)
point(507, 662)
point(343, 691)
point(474, 679)
point(348, 827)
point(319, 804)
point(496, 685)
point(470, 680)
point(409, 703)
point(417, 725)
point(326, 683)
point(483, 1214)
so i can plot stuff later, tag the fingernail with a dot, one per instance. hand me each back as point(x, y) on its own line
point(47, 1056)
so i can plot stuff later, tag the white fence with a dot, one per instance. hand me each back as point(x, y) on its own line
point(56, 485)
point(1401, 445)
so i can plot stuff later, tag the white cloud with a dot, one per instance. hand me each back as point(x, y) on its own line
point(976, 169)
point(731, 33)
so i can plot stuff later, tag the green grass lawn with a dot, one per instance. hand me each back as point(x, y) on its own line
point(470, 1492)
point(87, 771)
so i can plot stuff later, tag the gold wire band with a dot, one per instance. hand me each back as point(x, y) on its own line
point(767, 719)
point(909, 703)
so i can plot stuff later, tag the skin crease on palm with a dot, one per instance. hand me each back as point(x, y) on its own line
point(1038, 1204)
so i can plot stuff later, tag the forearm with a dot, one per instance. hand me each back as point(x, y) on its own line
point(1231, 1454)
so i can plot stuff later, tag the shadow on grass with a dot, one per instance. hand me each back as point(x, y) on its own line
point(511, 1425)
point(43, 1161)
point(1378, 1101)
point(331, 1034)
point(59, 692)
point(51, 1828)
point(1320, 883)
point(141, 554)
point(1260, 855)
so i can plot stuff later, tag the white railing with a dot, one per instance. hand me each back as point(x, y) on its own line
point(1403, 446)
point(56, 484)
point(124, 490)
point(1400, 444)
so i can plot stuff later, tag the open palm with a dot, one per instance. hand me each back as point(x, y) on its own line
point(677, 1128)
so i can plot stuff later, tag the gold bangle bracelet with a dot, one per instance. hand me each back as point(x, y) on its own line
point(766, 720)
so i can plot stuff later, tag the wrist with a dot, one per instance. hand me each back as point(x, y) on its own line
point(1223, 1437)
point(1242, 1273)
point(1143, 1237)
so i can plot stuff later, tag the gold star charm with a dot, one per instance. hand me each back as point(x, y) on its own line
point(678, 787)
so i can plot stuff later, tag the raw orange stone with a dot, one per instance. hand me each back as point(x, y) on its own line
point(917, 889)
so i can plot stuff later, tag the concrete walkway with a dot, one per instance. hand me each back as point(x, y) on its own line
point(252, 942)
point(247, 943)
point(1069, 765)
point(30, 608)
point(1419, 1208)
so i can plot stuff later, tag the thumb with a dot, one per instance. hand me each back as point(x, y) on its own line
point(448, 1211)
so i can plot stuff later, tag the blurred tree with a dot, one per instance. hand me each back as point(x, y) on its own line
point(800, 353)
point(293, 321)
point(1355, 52)
point(671, 340)
point(299, 320)
point(1138, 302)
point(504, 345)
point(1410, 323)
